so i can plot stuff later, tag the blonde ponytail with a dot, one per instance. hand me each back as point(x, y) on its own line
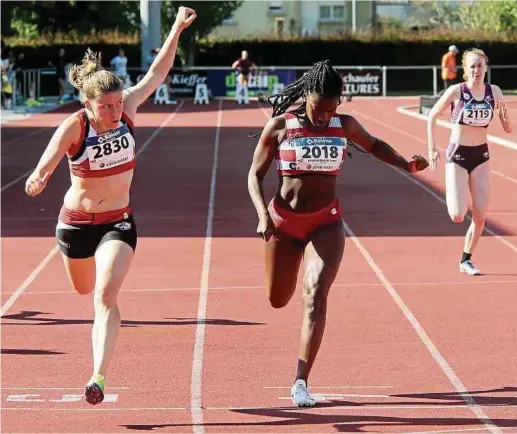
point(91, 79)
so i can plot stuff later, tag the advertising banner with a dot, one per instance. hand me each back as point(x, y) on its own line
point(180, 82)
point(183, 83)
point(362, 82)
point(224, 82)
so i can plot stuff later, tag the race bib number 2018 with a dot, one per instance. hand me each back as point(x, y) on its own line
point(320, 153)
point(111, 149)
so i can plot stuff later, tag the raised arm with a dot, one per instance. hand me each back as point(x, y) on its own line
point(501, 110)
point(262, 159)
point(445, 101)
point(379, 148)
point(68, 133)
point(137, 94)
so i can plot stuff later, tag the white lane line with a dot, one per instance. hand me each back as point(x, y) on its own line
point(337, 285)
point(196, 396)
point(426, 340)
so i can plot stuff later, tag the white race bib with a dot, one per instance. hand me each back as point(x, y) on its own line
point(477, 114)
point(323, 154)
point(111, 149)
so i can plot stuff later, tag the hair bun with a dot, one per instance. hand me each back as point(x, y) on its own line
point(92, 62)
point(90, 67)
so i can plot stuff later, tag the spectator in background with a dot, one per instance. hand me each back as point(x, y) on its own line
point(19, 67)
point(243, 67)
point(60, 64)
point(6, 62)
point(449, 69)
point(7, 85)
point(119, 65)
point(177, 65)
point(150, 59)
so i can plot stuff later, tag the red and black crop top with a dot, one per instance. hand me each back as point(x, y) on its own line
point(100, 155)
point(305, 152)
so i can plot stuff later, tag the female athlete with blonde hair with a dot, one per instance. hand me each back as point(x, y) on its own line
point(467, 167)
point(96, 231)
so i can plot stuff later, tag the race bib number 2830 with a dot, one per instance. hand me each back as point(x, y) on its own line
point(111, 149)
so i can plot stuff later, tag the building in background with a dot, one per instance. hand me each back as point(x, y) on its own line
point(320, 17)
point(308, 17)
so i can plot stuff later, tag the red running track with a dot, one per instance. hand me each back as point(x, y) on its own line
point(411, 344)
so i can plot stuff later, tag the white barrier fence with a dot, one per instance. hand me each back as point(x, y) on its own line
point(358, 80)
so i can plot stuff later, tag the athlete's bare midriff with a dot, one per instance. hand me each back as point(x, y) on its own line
point(306, 193)
point(467, 135)
point(95, 195)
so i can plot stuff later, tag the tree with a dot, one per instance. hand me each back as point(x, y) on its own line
point(32, 17)
point(209, 15)
point(435, 13)
point(497, 16)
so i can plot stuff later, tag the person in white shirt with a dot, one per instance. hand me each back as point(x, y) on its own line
point(119, 65)
point(150, 59)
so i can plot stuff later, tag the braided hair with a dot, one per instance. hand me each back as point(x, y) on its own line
point(322, 79)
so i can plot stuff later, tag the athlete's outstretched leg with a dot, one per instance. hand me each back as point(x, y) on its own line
point(323, 258)
point(457, 191)
point(113, 259)
point(479, 184)
point(81, 273)
point(283, 258)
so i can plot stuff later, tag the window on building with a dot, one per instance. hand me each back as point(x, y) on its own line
point(276, 5)
point(338, 12)
point(332, 13)
point(325, 13)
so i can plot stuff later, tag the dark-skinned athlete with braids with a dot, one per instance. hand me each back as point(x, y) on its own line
point(303, 220)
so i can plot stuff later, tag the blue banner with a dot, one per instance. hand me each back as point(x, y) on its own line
point(224, 82)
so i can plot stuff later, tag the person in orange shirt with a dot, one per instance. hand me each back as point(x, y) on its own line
point(449, 66)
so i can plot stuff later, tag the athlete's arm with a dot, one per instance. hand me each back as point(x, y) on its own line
point(445, 101)
point(501, 110)
point(68, 133)
point(448, 97)
point(137, 94)
point(262, 158)
point(379, 148)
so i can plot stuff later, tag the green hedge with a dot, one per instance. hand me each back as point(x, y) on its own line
point(388, 48)
point(348, 52)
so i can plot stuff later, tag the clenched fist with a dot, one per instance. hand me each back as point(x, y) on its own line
point(417, 164)
point(36, 183)
point(185, 17)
